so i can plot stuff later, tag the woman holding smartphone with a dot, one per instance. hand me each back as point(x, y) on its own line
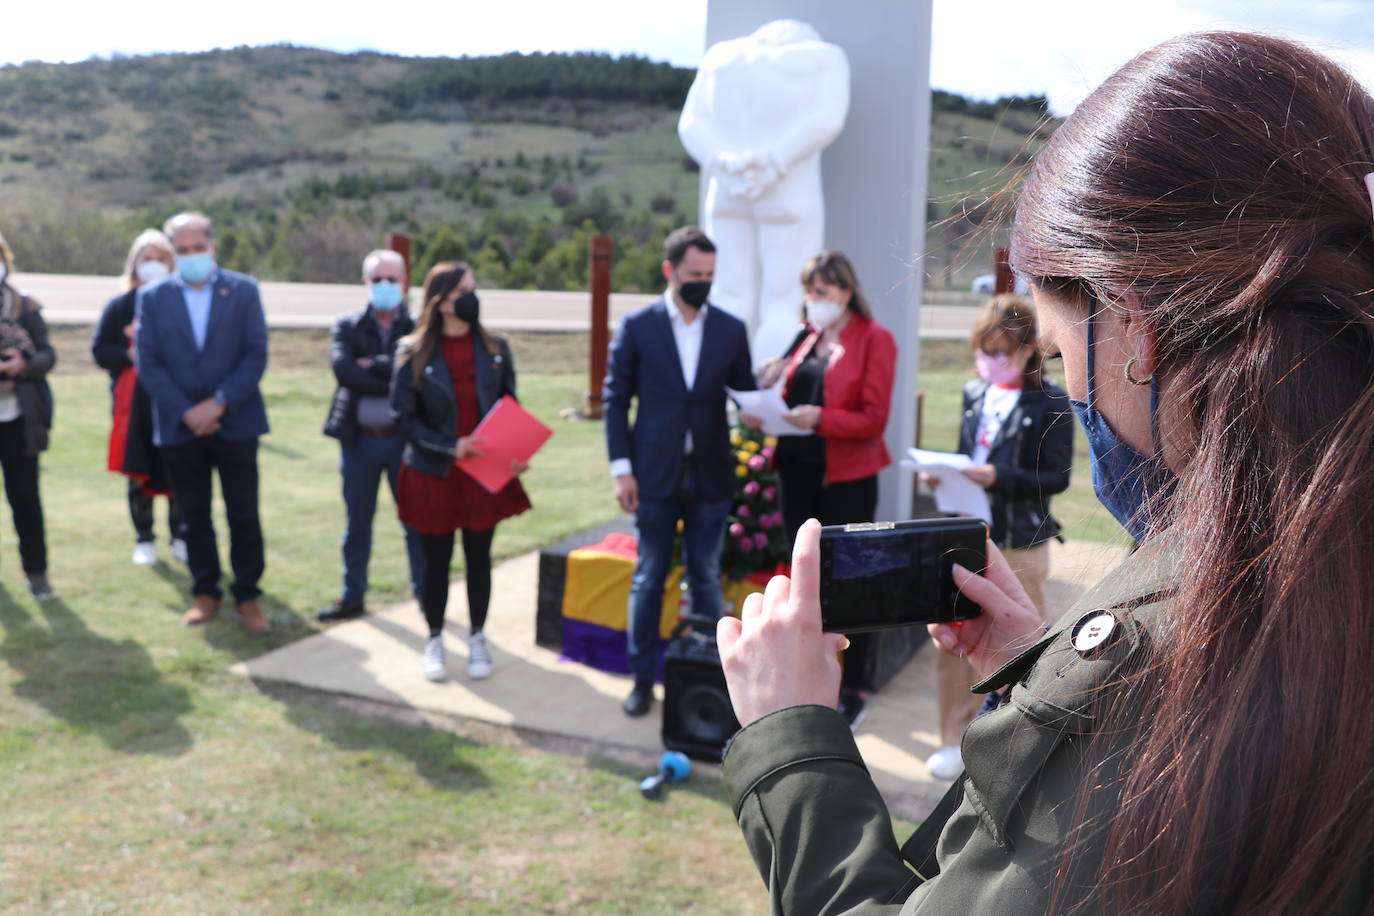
point(448, 374)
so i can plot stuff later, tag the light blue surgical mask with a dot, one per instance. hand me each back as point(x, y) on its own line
point(1124, 480)
point(195, 268)
point(386, 295)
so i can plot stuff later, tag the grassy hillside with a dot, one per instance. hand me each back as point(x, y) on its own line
point(305, 157)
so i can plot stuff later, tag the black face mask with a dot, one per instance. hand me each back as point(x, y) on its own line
point(466, 307)
point(694, 293)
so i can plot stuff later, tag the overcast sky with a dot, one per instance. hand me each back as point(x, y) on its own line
point(982, 48)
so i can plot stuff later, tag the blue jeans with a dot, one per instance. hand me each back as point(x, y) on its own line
point(703, 530)
point(361, 465)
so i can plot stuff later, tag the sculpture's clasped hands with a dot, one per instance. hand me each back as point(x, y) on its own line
point(749, 175)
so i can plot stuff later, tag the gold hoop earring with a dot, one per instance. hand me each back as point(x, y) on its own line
point(1130, 363)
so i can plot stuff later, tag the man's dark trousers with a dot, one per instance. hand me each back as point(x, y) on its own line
point(191, 467)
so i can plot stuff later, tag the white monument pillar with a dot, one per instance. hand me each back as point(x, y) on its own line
point(873, 174)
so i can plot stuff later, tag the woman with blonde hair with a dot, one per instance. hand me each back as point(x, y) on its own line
point(132, 452)
point(26, 405)
point(449, 373)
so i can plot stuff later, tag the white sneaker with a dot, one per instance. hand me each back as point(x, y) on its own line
point(433, 665)
point(479, 659)
point(179, 550)
point(145, 553)
point(946, 763)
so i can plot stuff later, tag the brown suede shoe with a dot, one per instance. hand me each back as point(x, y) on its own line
point(252, 617)
point(204, 608)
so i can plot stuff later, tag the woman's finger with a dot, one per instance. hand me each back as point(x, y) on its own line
point(775, 595)
point(1001, 575)
point(806, 575)
point(752, 607)
point(983, 592)
point(727, 632)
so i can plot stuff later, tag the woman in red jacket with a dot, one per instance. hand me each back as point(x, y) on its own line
point(837, 379)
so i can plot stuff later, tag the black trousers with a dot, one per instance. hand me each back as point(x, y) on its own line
point(191, 468)
point(805, 494)
point(141, 513)
point(21, 489)
point(438, 553)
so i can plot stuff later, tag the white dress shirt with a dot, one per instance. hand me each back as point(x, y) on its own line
point(687, 336)
point(198, 306)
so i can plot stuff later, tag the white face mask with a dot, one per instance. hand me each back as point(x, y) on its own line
point(151, 272)
point(822, 312)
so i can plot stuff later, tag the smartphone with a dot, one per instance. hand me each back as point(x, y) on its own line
point(898, 574)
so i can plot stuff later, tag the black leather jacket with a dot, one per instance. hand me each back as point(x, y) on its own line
point(1033, 452)
point(428, 416)
point(358, 335)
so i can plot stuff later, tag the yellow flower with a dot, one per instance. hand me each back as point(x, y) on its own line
point(771, 441)
point(742, 470)
point(742, 456)
point(679, 526)
point(736, 439)
point(751, 446)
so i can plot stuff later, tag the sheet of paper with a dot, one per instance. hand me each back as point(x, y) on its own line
point(956, 494)
point(767, 404)
point(511, 434)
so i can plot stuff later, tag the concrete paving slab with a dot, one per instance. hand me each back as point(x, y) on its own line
point(377, 658)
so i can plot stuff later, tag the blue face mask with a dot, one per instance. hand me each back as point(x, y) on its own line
point(195, 268)
point(386, 295)
point(1123, 479)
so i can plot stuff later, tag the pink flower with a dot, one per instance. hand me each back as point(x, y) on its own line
point(746, 544)
point(766, 520)
point(760, 540)
point(758, 463)
point(736, 530)
point(770, 493)
point(767, 451)
point(751, 488)
point(742, 511)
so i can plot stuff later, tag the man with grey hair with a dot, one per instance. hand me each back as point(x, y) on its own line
point(201, 351)
point(361, 348)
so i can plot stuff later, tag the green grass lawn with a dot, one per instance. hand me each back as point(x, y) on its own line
point(139, 776)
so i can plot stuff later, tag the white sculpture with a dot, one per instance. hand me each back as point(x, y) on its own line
point(758, 114)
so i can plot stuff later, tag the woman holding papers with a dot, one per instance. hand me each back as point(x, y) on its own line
point(1018, 433)
point(449, 373)
point(836, 379)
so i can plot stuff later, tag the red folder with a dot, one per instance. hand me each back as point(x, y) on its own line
point(511, 434)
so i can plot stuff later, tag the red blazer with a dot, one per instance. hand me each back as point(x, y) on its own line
point(858, 396)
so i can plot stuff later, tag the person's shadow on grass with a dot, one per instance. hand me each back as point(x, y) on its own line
point(102, 686)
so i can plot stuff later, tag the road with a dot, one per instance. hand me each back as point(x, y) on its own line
point(72, 299)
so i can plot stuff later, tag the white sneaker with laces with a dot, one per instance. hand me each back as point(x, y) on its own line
point(433, 665)
point(479, 659)
point(179, 550)
point(145, 553)
point(946, 763)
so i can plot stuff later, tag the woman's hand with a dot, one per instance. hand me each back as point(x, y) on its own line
point(769, 372)
point(467, 447)
point(1008, 626)
point(804, 416)
point(985, 475)
point(929, 481)
point(750, 421)
point(518, 467)
point(775, 654)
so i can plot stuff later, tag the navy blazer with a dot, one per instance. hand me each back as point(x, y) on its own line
point(178, 376)
point(644, 364)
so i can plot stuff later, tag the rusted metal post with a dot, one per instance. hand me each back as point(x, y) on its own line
point(920, 415)
point(1006, 280)
point(600, 275)
point(399, 242)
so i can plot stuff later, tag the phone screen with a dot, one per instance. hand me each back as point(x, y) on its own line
point(898, 574)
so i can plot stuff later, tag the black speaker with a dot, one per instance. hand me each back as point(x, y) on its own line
point(697, 716)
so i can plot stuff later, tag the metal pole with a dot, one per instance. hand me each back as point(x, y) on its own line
point(600, 274)
point(1006, 280)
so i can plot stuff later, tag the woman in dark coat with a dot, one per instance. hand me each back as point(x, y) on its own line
point(26, 406)
point(449, 374)
point(132, 452)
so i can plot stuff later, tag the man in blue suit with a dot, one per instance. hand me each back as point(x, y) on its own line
point(201, 349)
point(676, 356)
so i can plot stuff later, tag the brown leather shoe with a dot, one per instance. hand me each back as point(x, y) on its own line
point(252, 617)
point(204, 608)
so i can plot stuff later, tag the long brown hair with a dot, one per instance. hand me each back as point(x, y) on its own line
point(1219, 178)
point(834, 268)
point(421, 343)
point(1008, 316)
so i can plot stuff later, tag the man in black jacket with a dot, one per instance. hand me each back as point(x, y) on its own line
point(361, 349)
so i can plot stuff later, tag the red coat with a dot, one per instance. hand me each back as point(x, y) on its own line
point(858, 397)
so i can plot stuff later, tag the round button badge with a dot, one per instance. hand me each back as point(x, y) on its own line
point(1093, 631)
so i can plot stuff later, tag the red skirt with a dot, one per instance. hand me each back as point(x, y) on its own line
point(441, 505)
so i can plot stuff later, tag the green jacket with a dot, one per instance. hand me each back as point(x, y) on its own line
point(821, 835)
